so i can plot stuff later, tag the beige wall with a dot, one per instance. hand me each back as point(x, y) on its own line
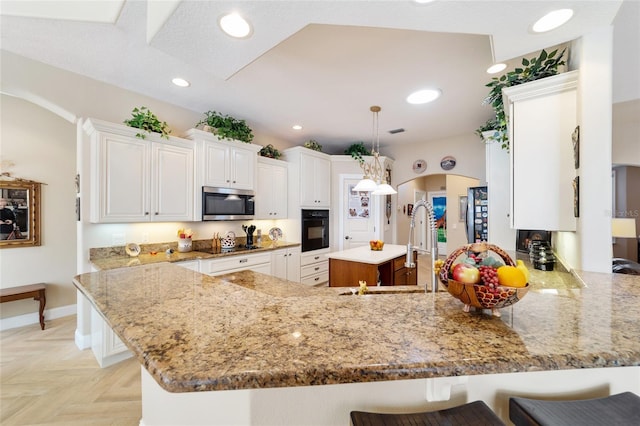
point(626, 133)
point(42, 147)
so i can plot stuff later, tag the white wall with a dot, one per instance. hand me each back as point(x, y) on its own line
point(42, 147)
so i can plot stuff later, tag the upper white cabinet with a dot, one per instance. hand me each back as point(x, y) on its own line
point(139, 180)
point(225, 164)
point(542, 115)
point(271, 192)
point(309, 178)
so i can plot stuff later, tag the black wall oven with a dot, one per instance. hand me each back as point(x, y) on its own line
point(315, 229)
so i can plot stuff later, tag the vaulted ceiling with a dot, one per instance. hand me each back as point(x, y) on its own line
point(320, 64)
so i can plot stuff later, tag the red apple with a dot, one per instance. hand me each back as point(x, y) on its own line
point(465, 273)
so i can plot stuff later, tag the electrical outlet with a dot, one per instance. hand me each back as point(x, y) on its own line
point(145, 238)
point(118, 239)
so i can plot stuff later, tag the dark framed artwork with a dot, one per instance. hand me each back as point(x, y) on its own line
point(575, 137)
point(409, 209)
point(576, 196)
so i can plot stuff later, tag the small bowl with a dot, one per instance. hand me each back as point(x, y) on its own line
point(377, 247)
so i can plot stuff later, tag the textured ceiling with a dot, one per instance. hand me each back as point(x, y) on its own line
point(317, 63)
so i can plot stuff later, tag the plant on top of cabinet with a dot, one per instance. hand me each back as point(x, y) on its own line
point(144, 119)
point(544, 65)
point(357, 150)
point(226, 126)
point(270, 151)
point(314, 145)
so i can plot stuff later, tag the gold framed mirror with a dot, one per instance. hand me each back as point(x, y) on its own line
point(19, 213)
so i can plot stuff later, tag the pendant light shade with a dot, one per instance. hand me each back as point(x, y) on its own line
point(374, 178)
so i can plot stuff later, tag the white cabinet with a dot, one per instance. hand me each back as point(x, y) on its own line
point(105, 344)
point(260, 262)
point(542, 116)
point(139, 180)
point(224, 164)
point(309, 179)
point(285, 264)
point(314, 267)
point(271, 192)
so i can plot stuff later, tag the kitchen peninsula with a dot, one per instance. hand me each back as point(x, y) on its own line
point(247, 348)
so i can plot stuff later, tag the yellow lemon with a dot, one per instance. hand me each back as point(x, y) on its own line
point(511, 276)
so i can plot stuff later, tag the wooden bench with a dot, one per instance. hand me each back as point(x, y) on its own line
point(26, 292)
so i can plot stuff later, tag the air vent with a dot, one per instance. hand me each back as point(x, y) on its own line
point(394, 131)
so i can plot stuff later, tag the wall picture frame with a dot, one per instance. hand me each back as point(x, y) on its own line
point(409, 209)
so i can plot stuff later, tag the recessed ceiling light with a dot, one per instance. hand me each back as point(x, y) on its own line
point(423, 1)
point(424, 96)
point(496, 68)
point(296, 127)
point(552, 20)
point(235, 25)
point(180, 82)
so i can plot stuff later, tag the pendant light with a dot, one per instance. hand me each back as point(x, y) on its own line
point(374, 180)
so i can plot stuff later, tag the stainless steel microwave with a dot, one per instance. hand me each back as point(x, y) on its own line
point(227, 204)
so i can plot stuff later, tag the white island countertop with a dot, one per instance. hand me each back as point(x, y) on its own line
point(364, 254)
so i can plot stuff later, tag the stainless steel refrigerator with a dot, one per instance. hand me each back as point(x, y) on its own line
point(477, 221)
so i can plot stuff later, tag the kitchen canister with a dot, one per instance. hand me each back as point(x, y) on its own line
point(184, 245)
point(229, 241)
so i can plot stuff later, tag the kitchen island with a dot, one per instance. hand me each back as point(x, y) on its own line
point(247, 348)
point(376, 267)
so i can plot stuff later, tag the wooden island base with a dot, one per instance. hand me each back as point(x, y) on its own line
point(345, 273)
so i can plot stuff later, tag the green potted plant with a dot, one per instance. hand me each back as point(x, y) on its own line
point(142, 118)
point(314, 145)
point(226, 127)
point(270, 151)
point(544, 65)
point(357, 150)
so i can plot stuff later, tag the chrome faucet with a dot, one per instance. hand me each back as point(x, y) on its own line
point(409, 263)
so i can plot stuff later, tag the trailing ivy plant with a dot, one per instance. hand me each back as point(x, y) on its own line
point(142, 118)
point(544, 65)
point(270, 151)
point(227, 127)
point(357, 150)
point(314, 145)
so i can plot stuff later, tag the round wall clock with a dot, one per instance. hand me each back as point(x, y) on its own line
point(448, 163)
point(419, 166)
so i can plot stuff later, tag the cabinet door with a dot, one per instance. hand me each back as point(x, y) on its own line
point(123, 188)
point(216, 169)
point(286, 264)
point(271, 193)
point(172, 183)
point(322, 183)
point(315, 176)
point(242, 166)
point(279, 264)
point(542, 117)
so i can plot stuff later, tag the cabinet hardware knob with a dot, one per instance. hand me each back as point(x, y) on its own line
point(346, 238)
point(146, 213)
point(316, 278)
point(157, 213)
point(317, 257)
point(244, 260)
point(316, 268)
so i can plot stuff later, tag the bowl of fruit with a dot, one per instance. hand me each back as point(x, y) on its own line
point(376, 245)
point(484, 276)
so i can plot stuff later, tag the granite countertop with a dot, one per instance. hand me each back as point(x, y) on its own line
point(115, 257)
point(248, 330)
point(364, 254)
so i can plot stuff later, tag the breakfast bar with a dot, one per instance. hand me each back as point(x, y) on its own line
point(247, 348)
